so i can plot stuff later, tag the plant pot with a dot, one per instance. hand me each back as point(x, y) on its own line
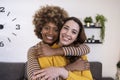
point(98, 24)
point(88, 24)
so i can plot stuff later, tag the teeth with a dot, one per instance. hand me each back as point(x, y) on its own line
point(65, 38)
point(49, 37)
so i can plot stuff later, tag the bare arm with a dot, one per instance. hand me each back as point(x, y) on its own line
point(82, 49)
point(78, 65)
point(51, 73)
point(71, 67)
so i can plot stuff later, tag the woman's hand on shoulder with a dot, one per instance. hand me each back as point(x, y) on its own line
point(45, 50)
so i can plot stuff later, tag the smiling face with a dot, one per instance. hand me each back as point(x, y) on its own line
point(49, 33)
point(69, 33)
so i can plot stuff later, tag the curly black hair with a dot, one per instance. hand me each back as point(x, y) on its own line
point(48, 14)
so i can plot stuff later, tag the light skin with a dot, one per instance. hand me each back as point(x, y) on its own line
point(68, 35)
point(51, 16)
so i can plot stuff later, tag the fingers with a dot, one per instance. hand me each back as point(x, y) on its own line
point(38, 50)
point(45, 50)
point(46, 77)
point(87, 65)
point(84, 65)
point(42, 74)
point(39, 74)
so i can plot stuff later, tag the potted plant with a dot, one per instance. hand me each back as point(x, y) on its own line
point(118, 71)
point(88, 21)
point(100, 22)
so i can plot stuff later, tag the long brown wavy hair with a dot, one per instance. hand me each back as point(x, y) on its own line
point(80, 38)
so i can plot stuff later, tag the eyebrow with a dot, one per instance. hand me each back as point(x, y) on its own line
point(73, 29)
point(66, 25)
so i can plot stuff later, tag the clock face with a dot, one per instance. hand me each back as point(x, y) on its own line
point(9, 27)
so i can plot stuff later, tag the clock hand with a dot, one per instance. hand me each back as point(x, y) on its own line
point(9, 39)
point(8, 13)
point(14, 19)
point(14, 34)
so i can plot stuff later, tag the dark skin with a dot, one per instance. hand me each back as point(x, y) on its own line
point(77, 65)
point(50, 34)
point(46, 50)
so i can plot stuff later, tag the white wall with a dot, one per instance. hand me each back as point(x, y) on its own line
point(16, 50)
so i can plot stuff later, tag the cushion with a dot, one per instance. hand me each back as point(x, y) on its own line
point(11, 71)
point(96, 70)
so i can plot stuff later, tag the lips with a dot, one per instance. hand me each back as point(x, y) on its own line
point(66, 38)
point(49, 38)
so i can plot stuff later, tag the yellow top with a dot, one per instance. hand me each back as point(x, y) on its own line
point(61, 61)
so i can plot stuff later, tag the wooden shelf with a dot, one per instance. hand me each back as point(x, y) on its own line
point(92, 26)
point(89, 41)
point(93, 42)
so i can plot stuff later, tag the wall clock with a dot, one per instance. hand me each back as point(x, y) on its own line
point(8, 26)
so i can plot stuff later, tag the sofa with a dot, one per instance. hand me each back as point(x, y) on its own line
point(17, 71)
point(96, 69)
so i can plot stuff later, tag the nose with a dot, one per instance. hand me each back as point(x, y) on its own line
point(51, 31)
point(68, 32)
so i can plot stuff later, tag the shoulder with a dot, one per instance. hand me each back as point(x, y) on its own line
point(32, 49)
